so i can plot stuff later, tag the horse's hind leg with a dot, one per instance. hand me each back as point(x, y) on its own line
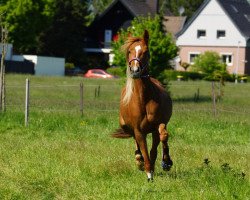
point(166, 160)
point(139, 158)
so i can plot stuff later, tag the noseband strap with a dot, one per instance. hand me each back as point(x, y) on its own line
point(135, 59)
point(141, 67)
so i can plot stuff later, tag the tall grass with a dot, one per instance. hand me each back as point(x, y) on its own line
point(62, 155)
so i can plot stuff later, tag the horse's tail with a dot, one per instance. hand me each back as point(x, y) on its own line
point(120, 133)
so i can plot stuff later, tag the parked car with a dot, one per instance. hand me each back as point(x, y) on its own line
point(97, 73)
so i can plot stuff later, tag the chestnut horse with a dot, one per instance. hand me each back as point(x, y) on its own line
point(145, 107)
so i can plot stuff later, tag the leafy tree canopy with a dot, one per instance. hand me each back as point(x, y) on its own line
point(65, 34)
point(25, 20)
point(47, 27)
point(190, 6)
point(162, 48)
point(211, 65)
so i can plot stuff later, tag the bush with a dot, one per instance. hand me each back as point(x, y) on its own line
point(69, 66)
point(248, 78)
point(172, 75)
point(183, 75)
point(232, 77)
point(116, 71)
point(211, 65)
point(161, 46)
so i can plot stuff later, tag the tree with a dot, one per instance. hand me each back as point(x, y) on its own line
point(25, 20)
point(65, 35)
point(161, 47)
point(99, 5)
point(190, 6)
point(211, 65)
point(4, 37)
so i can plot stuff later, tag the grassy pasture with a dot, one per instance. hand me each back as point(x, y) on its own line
point(62, 155)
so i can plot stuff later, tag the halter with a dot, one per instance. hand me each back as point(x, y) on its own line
point(142, 68)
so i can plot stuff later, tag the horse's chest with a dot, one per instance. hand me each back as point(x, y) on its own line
point(143, 116)
point(152, 109)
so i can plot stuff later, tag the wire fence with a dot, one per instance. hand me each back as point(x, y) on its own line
point(81, 98)
point(63, 98)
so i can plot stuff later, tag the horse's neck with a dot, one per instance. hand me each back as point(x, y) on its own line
point(142, 87)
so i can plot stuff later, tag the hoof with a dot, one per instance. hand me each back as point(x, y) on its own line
point(139, 162)
point(150, 176)
point(166, 166)
point(150, 180)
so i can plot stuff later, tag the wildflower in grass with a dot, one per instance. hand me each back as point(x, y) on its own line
point(83, 123)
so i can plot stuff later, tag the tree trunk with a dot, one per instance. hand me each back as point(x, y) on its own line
point(2, 69)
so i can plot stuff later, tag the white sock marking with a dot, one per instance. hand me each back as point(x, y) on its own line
point(150, 175)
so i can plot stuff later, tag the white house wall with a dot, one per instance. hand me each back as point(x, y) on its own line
point(211, 19)
point(49, 66)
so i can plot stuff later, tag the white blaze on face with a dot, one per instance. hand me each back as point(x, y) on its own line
point(137, 49)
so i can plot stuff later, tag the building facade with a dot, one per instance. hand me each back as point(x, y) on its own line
point(222, 26)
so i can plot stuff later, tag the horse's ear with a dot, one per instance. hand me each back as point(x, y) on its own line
point(146, 36)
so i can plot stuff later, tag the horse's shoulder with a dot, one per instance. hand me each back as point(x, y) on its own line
point(157, 83)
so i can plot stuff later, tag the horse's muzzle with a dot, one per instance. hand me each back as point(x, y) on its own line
point(135, 70)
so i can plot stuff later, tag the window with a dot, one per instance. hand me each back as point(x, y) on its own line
point(192, 57)
point(201, 34)
point(227, 58)
point(221, 34)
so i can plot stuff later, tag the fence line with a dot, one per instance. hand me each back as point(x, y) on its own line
point(231, 111)
point(114, 110)
point(84, 98)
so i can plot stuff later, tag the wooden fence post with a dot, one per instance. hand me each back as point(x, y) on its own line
point(27, 102)
point(99, 90)
point(214, 98)
point(197, 95)
point(81, 98)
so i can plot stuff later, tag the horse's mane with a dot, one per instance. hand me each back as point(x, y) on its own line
point(129, 42)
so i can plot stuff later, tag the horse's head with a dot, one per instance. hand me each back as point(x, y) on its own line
point(137, 55)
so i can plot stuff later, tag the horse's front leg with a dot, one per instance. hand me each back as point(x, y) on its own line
point(153, 152)
point(139, 158)
point(141, 141)
point(166, 160)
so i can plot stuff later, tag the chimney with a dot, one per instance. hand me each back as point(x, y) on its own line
point(154, 5)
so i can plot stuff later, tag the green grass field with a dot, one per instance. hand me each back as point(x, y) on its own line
point(63, 155)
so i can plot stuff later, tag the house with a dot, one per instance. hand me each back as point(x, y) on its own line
point(173, 24)
point(32, 64)
point(119, 14)
point(222, 26)
point(43, 65)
